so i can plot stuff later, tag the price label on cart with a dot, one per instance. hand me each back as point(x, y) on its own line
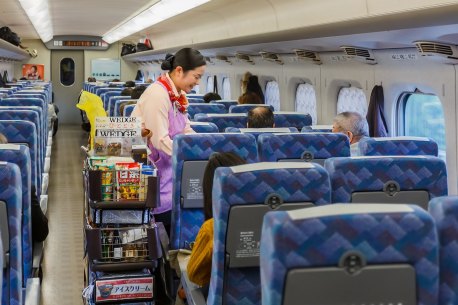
point(124, 289)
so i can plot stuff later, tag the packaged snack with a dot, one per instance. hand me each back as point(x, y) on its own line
point(95, 161)
point(100, 147)
point(114, 149)
point(128, 181)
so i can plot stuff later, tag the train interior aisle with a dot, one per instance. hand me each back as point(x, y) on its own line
point(63, 268)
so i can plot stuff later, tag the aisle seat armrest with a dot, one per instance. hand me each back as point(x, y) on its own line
point(38, 249)
point(33, 291)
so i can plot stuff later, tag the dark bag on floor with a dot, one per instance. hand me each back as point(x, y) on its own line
point(127, 48)
point(10, 36)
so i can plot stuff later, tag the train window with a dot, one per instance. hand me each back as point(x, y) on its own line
point(226, 88)
point(67, 72)
point(422, 115)
point(210, 84)
point(352, 99)
point(306, 101)
point(273, 95)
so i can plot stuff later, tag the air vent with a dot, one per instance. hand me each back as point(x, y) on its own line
point(245, 58)
point(223, 58)
point(308, 55)
point(271, 57)
point(360, 54)
point(427, 48)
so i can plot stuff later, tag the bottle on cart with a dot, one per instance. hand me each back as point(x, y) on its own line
point(109, 245)
point(117, 246)
point(130, 252)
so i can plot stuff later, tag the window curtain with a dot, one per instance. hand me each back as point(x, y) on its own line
point(375, 116)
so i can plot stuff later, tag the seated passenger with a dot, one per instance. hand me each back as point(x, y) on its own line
point(91, 79)
point(40, 228)
point(254, 87)
point(137, 92)
point(149, 81)
point(354, 126)
point(260, 117)
point(211, 96)
point(200, 262)
point(249, 98)
point(129, 84)
point(126, 92)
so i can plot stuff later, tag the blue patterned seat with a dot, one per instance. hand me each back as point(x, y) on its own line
point(128, 110)
point(107, 95)
point(292, 119)
point(223, 120)
point(2, 255)
point(21, 132)
point(113, 101)
point(103, 90)
point(26, 115)
point(118, 103)
point(303, 251)
point(397, 146)
point(244, 108)
point(11, 194)
point(29, 102)
point(20, 155)
point(256, 132)
point(195, 100)
point(387, 179)
point(317, 128)
point(193, 109)
point(204, 127)
point(93, 89)
point(189, 158)
point(226, 103)
point(241, 197)
point(306, 146)
point(445, 212)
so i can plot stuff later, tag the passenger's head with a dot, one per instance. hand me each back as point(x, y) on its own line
point(260, 117)
point(186, 68)
point(126, 92)
point(137, 92)
point(224, 159)
point(244, 81)
point(129, 84)
point(211, 96)
point(3, 139)
point(253, 86)
point(250, 98)
point(91, 79)
point(149, 81)
point(115, 80)
point(351, 124)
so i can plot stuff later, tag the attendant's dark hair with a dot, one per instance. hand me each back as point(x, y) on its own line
point(187, 58)
point(216, 160)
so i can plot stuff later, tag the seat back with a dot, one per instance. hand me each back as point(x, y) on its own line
point(112, 101)
point(315, 147)
point(350, 254)
point(256, 132)
point(244, 108)
point(204, 127)
point(27, 115)
point(189, 159)
point(20, 155)
point(397, 146)
point(241, 197)
point(108, 94)
point(22, 132)
point(226, 103)
point(317, 128)
point(392, 179)
point(36, 109)
point(292, 119)
point(128, 110)
point(195, 100)
point(223, 121)
point(11, 197)
point(444, 210)
point(193, 109)
point(118, 103)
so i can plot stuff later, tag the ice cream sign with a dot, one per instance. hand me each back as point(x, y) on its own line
point(124, 289)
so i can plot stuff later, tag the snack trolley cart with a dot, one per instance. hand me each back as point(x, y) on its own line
point(122, 246)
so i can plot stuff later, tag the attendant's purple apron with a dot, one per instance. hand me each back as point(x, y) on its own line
point(163, 162)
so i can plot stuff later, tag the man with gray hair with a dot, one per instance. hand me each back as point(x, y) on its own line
point(354, 126)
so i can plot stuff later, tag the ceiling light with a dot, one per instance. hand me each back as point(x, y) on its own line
point(158, 12)
point(39, 15)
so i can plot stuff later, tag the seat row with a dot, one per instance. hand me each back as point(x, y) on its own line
point(24, 163)
point(283, 229)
